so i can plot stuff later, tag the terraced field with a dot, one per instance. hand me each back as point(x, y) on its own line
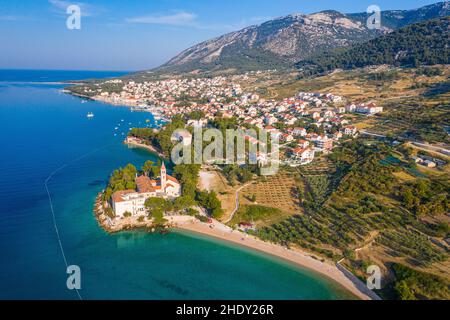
point(319, 166)
point(279, 191)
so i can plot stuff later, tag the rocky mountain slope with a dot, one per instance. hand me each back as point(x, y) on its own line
point(280, 42)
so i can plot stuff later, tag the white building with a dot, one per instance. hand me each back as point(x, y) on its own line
point(303, 155)
point(350, 130)
point(269, 120)
point(133, 201)
point(128, 201)
point(370, 109)
point(299, 132)
point(350, 108)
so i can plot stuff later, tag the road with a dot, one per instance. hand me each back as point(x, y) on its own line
point(372, 134)
point(416, 143)
point(237, 202)
point(431, 147)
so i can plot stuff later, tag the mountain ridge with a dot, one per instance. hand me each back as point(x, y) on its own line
point(281, 42)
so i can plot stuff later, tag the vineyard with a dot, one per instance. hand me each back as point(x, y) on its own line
point(279, 191)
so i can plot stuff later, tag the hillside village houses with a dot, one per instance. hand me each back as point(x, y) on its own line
point(303, 155)
point(325, 112)
point(369, 109)
point(133, 201)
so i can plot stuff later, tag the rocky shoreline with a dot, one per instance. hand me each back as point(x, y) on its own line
point(112, 226)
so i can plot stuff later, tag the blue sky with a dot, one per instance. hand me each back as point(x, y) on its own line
point(135, 35)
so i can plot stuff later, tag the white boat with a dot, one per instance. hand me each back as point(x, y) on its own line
point(90, 115)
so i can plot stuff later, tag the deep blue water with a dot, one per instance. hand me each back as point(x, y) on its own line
point(42, 130)
point(13, 75)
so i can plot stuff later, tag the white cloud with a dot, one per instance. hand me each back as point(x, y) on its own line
point(177, 19)
point(187, 19)
point(10, 18)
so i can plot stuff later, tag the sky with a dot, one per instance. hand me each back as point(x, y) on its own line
point(138, 35)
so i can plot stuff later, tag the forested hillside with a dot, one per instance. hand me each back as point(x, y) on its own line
point(425, 43)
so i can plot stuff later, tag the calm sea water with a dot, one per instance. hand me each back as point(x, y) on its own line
point(44, 130)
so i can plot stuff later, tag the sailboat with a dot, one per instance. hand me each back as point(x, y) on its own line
point(90, 115)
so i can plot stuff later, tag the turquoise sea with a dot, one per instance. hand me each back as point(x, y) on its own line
point(45, 131)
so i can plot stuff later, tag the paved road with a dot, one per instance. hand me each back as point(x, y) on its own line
point(372, 134)
point(416, 143)
point(431, 147)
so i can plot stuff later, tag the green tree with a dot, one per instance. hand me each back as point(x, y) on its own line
point(156, 203)
point(147, 167)
point(127, 214)
point(183, 202)
point(158, 217)
point(155, 171)
point(409, 200)
point(130, 185)
point(210, 202)
point(108, 193)
point(157, 207)
point(187, 174)
point(403, 291)
point(196, 115)
point(245, 176)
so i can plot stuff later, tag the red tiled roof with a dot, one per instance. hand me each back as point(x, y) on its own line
point(299, 150)
point(117, 196)
point(144, 184)
point(169, 185)
point(171, 179)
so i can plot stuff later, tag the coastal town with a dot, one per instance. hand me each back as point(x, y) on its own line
point(314, 129)
point(236, 203)
point(305, 124)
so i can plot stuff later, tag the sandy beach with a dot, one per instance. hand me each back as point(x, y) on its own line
point(302, 259)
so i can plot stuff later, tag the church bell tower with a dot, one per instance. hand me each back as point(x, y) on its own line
point(163, 176)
